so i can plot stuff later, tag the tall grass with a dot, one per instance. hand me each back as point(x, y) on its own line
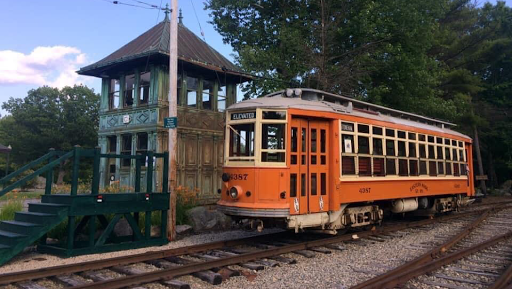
point(7, 210)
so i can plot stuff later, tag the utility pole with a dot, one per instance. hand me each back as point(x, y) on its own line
point(479, 160)
point(173, 113)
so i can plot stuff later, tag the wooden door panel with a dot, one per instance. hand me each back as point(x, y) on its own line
point(207, 148)
point(191, 153)
point(206, 184)
point(190, 180)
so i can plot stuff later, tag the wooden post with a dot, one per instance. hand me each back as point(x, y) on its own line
point(165, 177)
point(147, 221)
point(149, 173)
point(173, 112)
point(76, 167)
point(96, 171)
point(71, 233)
point(49, 176)
point(165, 190)
point(479, 160)
point(137, 173)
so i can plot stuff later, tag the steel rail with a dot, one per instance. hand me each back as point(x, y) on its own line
point(504, 280)
point(242, 258)
point(9, 278)
point(490, 204)
point(425, 258)
point(438, 263)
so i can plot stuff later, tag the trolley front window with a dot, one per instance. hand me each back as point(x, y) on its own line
point(241, 140)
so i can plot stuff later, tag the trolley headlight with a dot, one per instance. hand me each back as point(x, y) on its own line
point(233, 192)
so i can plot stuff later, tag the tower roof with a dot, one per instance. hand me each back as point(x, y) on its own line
point(155, 41)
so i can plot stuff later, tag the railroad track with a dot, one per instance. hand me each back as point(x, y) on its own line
point(208, 262)
point(478, 256)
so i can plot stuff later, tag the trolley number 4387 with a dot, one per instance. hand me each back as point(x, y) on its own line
point(364, 190)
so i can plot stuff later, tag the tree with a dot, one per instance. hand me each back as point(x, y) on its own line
point(375, 50)
point(50, 118)
point(448, 59)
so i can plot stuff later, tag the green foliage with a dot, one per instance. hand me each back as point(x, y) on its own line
point(8, 209)
point(29, 184)
point(50, 118)
point(59, 232)
point(447, 59)
point(116, 187)
point(21, 195)
point(186, 199)
point(83, 188)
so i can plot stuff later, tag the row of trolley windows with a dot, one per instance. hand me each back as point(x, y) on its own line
point(303, 181)
point(314, 150)
point(383, 167)
point(399, 153)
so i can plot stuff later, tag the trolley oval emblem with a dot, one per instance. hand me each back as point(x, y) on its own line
point(321, 201)
point(296, 204)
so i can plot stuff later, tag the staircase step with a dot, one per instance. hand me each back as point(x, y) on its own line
point(33, 217)
point(10, 238)
point(19, 227)
point(48, 208)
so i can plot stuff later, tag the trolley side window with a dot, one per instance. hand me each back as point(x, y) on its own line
point(348, 148)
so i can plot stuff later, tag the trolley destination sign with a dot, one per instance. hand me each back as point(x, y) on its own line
point(243, 115)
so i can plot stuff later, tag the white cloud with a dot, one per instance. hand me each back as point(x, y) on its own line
point(54, 66)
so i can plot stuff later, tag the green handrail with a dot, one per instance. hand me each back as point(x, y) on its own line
point(27, 167)
point(54, 158)
point(45, 168)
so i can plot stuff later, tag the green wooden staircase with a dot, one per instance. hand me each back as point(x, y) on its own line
point(28, 227)
point(87, 209)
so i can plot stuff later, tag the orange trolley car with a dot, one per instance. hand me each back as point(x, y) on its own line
point(304, 158)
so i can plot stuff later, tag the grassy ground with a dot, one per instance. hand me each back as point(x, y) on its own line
point(36, 194)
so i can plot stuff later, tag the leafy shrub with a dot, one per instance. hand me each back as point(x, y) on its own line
point(83, 188)
point(116, 187)
point(59, 232)
point(8, 209)
point(28, 185)
point(186, 199)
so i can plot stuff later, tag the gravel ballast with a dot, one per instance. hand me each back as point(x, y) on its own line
point(361, 260)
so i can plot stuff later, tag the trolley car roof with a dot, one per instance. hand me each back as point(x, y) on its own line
point(312, 99)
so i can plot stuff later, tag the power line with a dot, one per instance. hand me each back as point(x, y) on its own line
point(148, 4)
point(132, 5)
point(197, 18)
point(158, 16)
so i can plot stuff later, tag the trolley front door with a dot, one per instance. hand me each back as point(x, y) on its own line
point(308, 166)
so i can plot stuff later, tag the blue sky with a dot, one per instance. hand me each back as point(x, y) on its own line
point(45, 41)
